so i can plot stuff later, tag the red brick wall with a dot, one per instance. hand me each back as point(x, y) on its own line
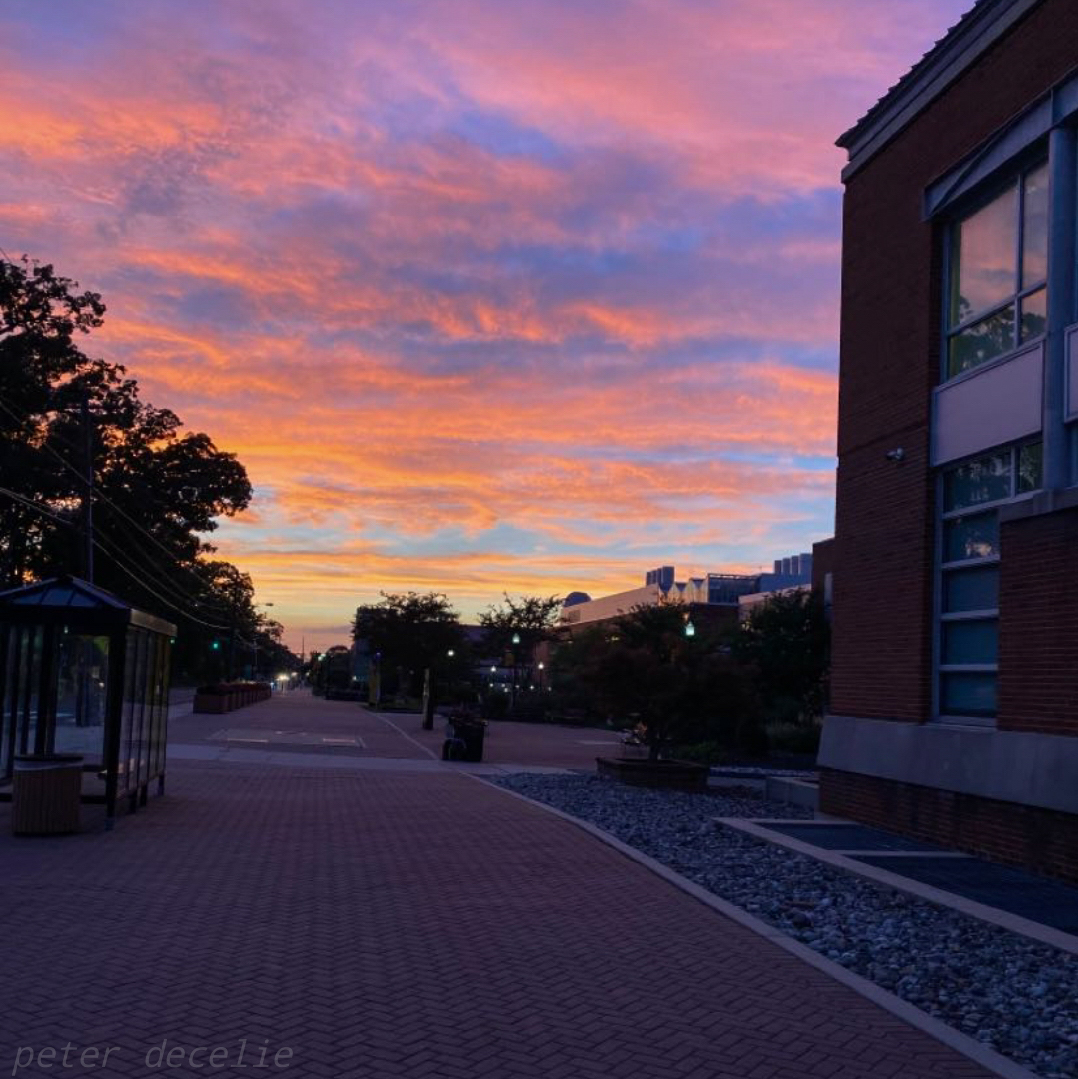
point(1038, 638)
point(823, 562)
point(890, 361)
point(1042, 840)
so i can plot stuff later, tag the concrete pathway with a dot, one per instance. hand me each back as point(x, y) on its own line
point(376, 924)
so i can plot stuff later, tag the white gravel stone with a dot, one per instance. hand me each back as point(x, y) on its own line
point(1017, 995)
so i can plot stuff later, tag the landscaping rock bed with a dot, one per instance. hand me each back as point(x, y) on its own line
point(1016, 995)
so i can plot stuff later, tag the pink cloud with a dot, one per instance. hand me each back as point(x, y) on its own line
point(564, 271)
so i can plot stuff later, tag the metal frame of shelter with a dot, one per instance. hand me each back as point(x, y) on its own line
point(82, 671)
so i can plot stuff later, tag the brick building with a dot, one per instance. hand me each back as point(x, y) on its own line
point(954, 687)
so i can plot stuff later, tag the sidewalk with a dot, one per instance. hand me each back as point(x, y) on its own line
point(398, 924)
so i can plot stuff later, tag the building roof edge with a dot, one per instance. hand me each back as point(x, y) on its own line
point(962, 45)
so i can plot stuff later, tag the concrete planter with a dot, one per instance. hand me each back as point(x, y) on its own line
point(211, 703)
point(677, 775)
point(228, 697)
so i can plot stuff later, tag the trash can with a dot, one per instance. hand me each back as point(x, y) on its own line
point(45, 793)
point(464, 741)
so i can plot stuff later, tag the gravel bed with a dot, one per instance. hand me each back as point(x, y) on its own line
point(1016, 995)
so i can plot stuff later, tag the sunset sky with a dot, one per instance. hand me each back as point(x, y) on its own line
point(525, 295)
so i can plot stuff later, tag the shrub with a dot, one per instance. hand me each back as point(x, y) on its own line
point(495, 705)
point(794, 737)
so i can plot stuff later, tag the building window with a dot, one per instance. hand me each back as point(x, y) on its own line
point(968, 644)
point(997, 296)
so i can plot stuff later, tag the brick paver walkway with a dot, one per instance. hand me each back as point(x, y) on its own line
point(299, 722)
point(387, 925)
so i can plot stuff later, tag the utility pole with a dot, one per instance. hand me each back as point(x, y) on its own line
point(87, 488)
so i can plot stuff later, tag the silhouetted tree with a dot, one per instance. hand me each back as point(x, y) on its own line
point(411, 632)
point(786, 640)
point(157, 490)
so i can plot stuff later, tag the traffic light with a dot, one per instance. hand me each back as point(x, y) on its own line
point(216, 645)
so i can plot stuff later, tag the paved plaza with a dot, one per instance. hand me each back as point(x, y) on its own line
point(326, 919)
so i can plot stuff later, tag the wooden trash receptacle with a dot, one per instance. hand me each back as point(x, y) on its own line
point(46, 790)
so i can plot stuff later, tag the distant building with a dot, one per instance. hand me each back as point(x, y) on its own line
point(954, 686)
point(715, 595)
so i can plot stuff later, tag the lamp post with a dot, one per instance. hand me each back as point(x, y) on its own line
point(513, 691)
point(254, 645)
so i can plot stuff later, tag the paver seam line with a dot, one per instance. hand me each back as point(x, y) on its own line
point(326, 762)
point(404, 734)
point(1015, 923)
point(966, 1046)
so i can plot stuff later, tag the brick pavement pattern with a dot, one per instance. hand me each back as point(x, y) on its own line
point(389, 925)
point(285, 719)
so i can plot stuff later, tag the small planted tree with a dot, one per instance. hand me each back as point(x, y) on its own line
point(645, 668)
point(786, 642)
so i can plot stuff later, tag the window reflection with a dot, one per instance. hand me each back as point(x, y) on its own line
point(999, 265)
point(1034, 315)
point(1035, 227)
point(985, 249)
point(971, 537)
point(986, 479)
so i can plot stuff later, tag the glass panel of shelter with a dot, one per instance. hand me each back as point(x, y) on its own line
point(82, 695)
point(127, 711)
point(164, 657)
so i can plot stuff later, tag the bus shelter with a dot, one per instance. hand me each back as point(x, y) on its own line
point(83, 672)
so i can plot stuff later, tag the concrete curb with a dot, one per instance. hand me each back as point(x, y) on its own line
point(1014, 923)
point(968, 1047)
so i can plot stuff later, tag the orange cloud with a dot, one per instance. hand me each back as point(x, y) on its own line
point(506, 296)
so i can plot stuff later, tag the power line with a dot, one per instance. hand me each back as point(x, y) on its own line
point(118, 561)
point(112, 555)
point(174, 562)
point(35, 506)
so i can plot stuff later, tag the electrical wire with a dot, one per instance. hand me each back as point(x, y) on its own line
point(119, 563)
point(34, 506)
point(173, 564)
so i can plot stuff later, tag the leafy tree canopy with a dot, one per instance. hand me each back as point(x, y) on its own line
point(157, 489)
point(411, 631)
point(787, 640)
point(642, 668)
point(531, 618)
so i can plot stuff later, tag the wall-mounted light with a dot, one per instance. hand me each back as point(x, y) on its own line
point(897, 454)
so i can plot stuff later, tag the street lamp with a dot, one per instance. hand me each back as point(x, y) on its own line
point(513, 697)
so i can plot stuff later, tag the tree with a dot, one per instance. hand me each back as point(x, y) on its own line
point(518, 627)
point(411, 632)
point(642, 668)
point(529, 618)
point(786, 640)
point(157, 490)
